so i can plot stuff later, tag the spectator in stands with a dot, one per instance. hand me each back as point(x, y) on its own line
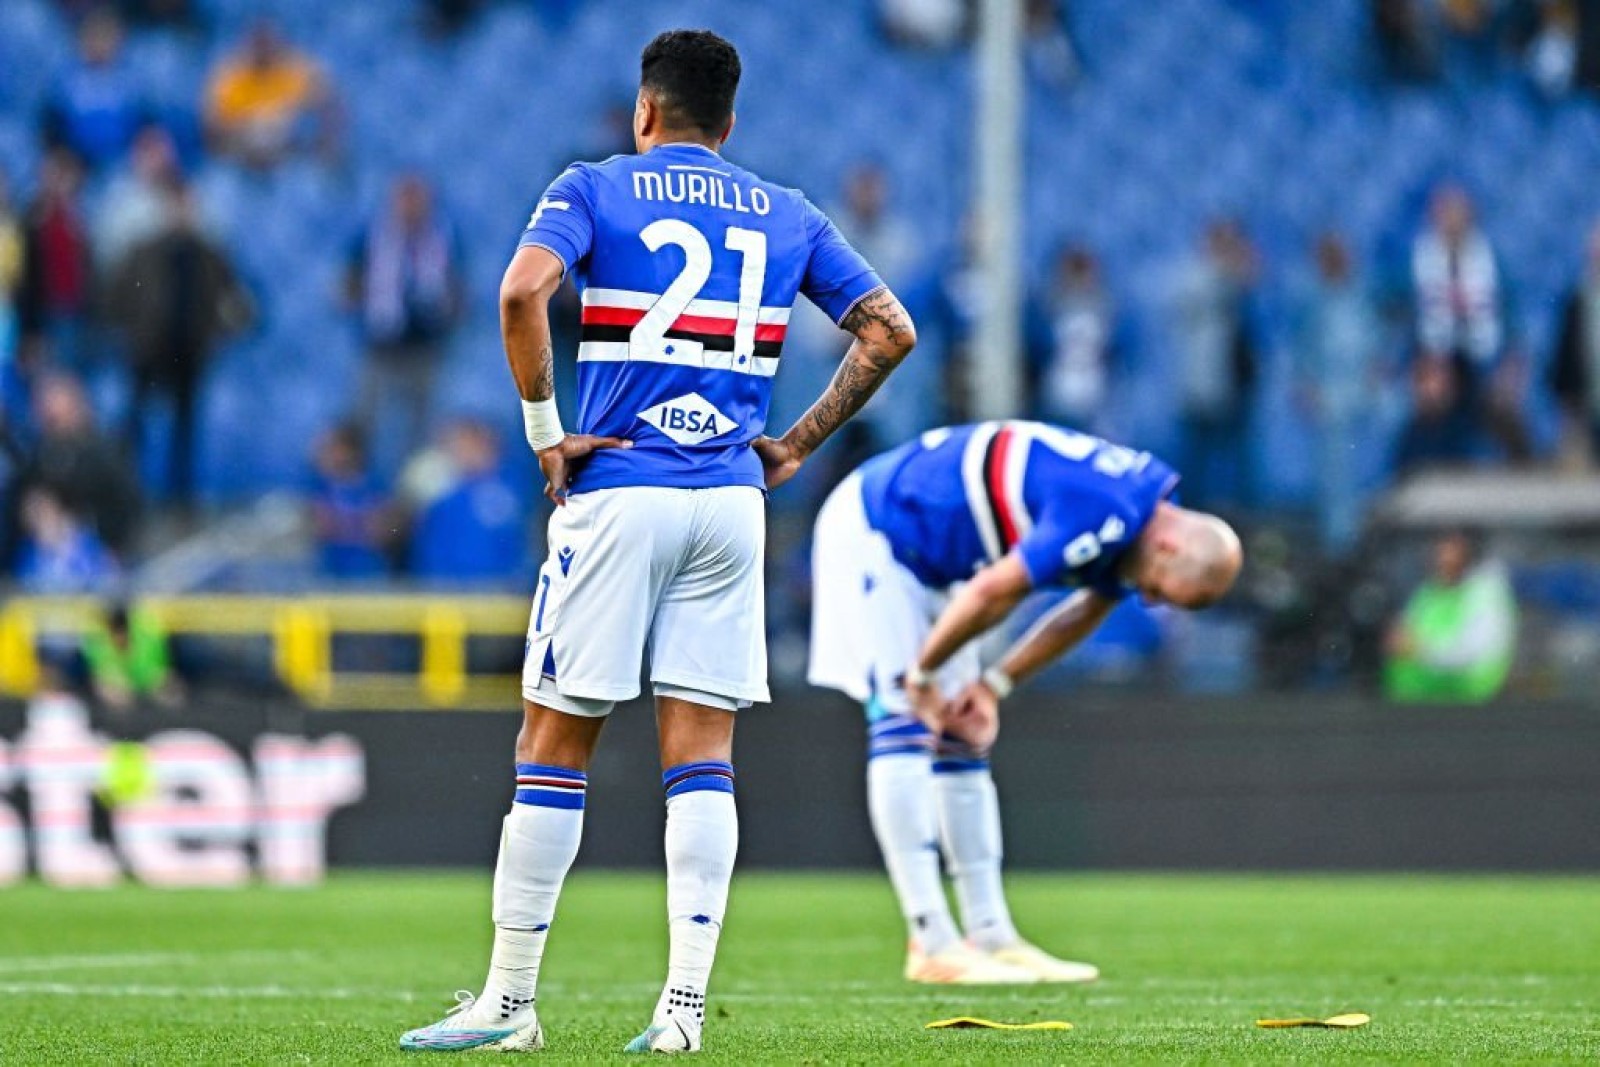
point(60, 555)
point(1337, 368)
point(923, 23)
point(884, 235)
point(1467, 383)
point(469, 527)
point(1575, 369)
point(404, 278)
point(350, 514)
point(176, 297)
point(138, 200)
point(1456, 639)
point(82, 468)
point(11, 263)
point(179, 14)
point(1052, 55)
point(1551, 55)
point(1406, 39)
point(1217, 381)
point(58, 274)
point(96, 107)
point(268, 100)
point(128, 660)
point(1075, 384)
point(953, 308)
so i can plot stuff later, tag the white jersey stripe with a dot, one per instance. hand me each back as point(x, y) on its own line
point(711, 309)
point(977, 495)
point(684, 355)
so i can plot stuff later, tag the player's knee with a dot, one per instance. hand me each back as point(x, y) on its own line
point(557, 738)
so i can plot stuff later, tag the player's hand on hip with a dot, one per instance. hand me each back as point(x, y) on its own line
point(779, 459)
point(974, 717)
point(561, 461)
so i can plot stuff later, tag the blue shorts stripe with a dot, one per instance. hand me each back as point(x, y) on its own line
point(959, 766)
point(707, 776)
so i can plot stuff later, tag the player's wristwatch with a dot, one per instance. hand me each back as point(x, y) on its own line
point(999, 682)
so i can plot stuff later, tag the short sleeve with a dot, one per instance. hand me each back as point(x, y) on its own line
point(563, 220)
point(837, 276)
point(1080, 546)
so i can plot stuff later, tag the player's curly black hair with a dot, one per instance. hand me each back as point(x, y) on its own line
point(693, 75)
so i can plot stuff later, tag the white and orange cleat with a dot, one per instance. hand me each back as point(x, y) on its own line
point(961, 964)
point(1043, 966)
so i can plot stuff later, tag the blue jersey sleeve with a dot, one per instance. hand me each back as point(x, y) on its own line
point(837, 276)
point(563, 220)
point(1082, 545)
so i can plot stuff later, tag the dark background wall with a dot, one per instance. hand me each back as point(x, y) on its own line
point(1094, 780)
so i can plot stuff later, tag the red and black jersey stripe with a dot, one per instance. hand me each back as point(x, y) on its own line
point(715, 334)
point(994, 484)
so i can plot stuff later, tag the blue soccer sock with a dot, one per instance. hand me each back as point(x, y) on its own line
point(702, 839)
point(538, 843)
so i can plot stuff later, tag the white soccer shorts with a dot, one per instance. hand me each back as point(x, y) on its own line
point(869, 614)
point(674, 571)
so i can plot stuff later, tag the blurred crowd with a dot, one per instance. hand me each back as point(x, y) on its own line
point(118, 294)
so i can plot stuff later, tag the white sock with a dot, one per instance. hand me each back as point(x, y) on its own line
point(969, 826)
point(701, 841)
point(538, 842)
point(905, 820)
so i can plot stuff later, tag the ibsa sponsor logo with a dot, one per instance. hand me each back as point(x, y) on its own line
point(689, 419)
point(198, 814)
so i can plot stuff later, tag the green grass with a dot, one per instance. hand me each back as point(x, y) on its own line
point(1451, 969)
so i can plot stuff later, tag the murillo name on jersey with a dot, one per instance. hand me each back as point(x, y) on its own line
point(688, 267)
point(1071, 505)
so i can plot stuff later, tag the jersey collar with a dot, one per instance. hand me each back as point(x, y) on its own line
point(688, 144)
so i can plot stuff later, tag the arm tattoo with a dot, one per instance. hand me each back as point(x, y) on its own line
point(879, 309)
point(883, 337)
point(545, 387)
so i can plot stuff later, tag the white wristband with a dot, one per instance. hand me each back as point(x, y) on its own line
point(916, 677)
point(999, 682)
point(542, 423)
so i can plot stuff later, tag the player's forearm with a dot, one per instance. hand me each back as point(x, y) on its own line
point(884, 337)
point(971, 612)
point(525, 330)
point(1054, 635)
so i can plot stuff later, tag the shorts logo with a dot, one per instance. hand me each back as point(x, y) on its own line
point(564, 557)
point(689, 419)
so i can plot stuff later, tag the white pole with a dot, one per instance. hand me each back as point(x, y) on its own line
point(995, 367)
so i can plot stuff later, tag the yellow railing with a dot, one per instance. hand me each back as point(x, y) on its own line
point(302, 630)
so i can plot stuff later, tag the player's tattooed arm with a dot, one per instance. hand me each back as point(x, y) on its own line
point(525, 291)
point(884, 336)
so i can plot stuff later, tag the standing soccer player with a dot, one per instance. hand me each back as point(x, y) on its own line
point(916, 555)
point(688, 267)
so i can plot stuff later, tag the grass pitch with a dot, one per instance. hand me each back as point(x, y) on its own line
point(1451, 969)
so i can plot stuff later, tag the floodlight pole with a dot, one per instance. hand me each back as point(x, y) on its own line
point(995, 366)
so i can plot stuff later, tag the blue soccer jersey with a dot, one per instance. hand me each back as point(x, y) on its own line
point(959, 499)
point(688, 267)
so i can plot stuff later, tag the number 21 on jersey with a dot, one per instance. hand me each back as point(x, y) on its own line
point(649, 336)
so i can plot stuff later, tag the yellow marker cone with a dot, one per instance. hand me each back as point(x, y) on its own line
point(1338, 1022)
point(968, 1023)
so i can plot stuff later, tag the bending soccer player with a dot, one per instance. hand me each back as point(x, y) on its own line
point(916, 555)
point(688, 267)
